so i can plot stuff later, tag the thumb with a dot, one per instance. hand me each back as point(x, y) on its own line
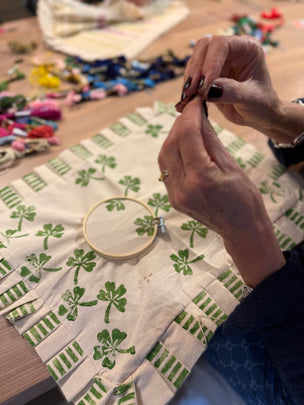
point(229, 91)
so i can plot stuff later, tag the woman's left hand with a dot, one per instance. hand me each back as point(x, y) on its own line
point(207, 183)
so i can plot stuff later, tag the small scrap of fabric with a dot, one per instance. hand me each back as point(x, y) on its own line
point(112, 332)
point(116, 28)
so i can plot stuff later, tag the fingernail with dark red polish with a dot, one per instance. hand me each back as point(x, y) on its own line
point(183, 96)
point(187, 83)
point(201, 82)
point(215, 91)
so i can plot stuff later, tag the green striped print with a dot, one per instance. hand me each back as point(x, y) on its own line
point(94, 393)
point(59, 166)
point(5, 268)
point(295, 217)
point(284, 240)
point(210, 308)
point(168, 365)
point(81, 151)
point(193, 326)
point(42, 329)
point(218, 128)
point(13, 294)
point(126, 394)
point(233, 283)
point(277, 171)
point(102, 141)
point(137, 119)
point(235, 145)
point(120, 129)
point(255, 159)
point(65, 361)
point(35, 182)
point(9, 197)
point(22, 311)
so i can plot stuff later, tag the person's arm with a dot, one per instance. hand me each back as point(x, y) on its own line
point(206, 183)
point(232, 73)
point(275, 309)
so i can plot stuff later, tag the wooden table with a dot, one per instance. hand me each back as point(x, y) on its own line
point(22, 375)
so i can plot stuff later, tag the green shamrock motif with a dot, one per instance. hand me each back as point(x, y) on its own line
point(131, 183)
point(109, 346)
point(106, 161)
point(159, 202)
point(182, 264)
point(154, 130)
point(72, 300)
point(22, 213)
point(48, 231)
point(115, 204)
point(196, 228)
point(114, 297)
point(273, 190)
point(7, 236)
point(85, 176)
point(81, 260)
point(146, 225)
point(241, 163)
point(35, 266)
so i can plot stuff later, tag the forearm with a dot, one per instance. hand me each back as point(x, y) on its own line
point(286, 122)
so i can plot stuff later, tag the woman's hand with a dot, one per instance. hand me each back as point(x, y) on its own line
point(231, 71)
point(206, 183)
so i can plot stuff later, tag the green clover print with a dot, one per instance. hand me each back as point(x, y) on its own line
point(7, 236)
point(114, 298)
point(85, 176)
point(106, 161)
point(22, 213)
point(153, 130)
point(196, 228)
point(131, 183)
point(182, 264)
point(48, 231)
point(145, 224)
point(109, 346)
point(273, 190)
point(115, 204)
point(159, 202)
point(35, 266)
point(81, 260)
point(72, 300)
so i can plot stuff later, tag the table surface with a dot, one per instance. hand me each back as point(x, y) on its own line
point(22, 374)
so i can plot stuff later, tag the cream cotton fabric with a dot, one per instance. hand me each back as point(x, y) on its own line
point(114, 28)
point(124, 332)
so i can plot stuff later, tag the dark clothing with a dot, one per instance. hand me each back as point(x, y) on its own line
point(260, 348)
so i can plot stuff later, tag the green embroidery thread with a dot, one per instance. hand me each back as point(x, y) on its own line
point(154, 130)
point(159, 202)
point(115, 204)
point(273, 190)
point(9, 234)
point(106, 161)
point(145, 224)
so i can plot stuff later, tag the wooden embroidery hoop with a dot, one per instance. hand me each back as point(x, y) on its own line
point(125, 256)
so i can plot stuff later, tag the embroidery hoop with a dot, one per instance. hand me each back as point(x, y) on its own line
point(132, 253)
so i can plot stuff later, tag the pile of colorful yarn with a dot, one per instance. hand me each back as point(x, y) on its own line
point(248, 25)
point(28, 126)
point(107, 77)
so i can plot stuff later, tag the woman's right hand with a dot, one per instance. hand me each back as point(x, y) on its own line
point(233, 69)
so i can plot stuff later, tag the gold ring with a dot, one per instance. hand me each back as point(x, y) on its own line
point(163, 175)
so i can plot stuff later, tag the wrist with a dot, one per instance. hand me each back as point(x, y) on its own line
point(286, 122)
point(256, 252)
